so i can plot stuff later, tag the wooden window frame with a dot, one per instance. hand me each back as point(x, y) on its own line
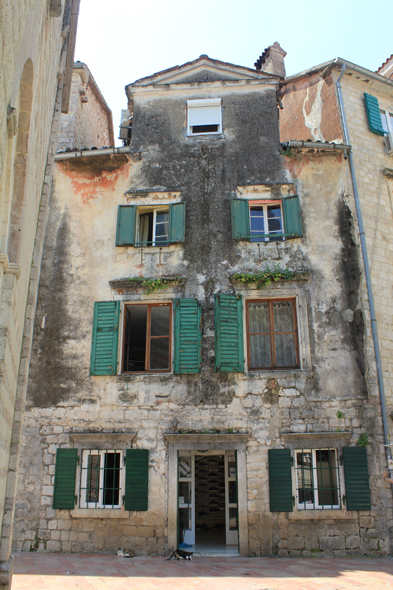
point(317, 505)
point(270, 236)
point(141, 210)
point(148, 338)
point(389, 120)
point(273, 366)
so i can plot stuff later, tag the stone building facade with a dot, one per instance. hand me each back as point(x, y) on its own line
point(37, 40)
point(88, 122)
point(203, 370)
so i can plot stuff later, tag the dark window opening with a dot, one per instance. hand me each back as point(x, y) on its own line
point(204, 128)
point(111, 479)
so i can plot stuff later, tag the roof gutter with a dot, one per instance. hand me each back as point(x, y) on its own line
point(87, 153)
point(316, 145)
point(338, 62)
point(366, 267)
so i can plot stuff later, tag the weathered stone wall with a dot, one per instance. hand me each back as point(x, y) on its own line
point(338, 369)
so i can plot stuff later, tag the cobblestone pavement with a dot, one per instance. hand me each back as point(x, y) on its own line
point(49, 571)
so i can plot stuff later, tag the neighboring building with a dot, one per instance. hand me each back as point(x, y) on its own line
point(37, 41)
point(312, 113)
point(203, 364)
point(88, 123)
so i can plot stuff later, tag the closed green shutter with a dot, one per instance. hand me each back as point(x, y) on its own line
point(280, 480)
point(357, 485)
point(188, 336)
point(65, 473)
point(228, 318)
point(291, 211)
point(373, 114)
point(126, 221)
point(137, 479)
point(177, 222)
point(105, 338)
point(240, 214)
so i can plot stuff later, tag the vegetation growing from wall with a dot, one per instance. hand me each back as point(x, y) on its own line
point(154, 285)
point(265, 277)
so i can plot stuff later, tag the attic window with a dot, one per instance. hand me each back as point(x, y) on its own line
point(204, 116)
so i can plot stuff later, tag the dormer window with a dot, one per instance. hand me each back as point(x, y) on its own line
point(204, 116)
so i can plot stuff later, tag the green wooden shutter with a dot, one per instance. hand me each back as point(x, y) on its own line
point(137, 479)
point(177, 222)
point(188, 336)
point(228, 318)
point(373, 114)
point(240, 213)
point(291, 211)
point(357, 485)
point(280, 480)
point(65, 473)
point(126, 221)
point(105, 338)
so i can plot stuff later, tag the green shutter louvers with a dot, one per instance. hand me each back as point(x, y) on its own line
point(105, 338)
point(65, 473)
point(177, 222)
point(137, 479)
point(357, 486)
point(228, 318)
point(373, 114)
point(188, 336)
point(126, 224)
point(291, 212)
point(280, 480)
point(240, 217)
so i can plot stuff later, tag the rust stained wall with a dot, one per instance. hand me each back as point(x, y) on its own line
point(310, 110)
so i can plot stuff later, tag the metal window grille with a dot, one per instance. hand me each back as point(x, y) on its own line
point(317, 479)
point(100, 483)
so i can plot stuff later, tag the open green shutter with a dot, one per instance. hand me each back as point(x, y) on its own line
point(228, 318)
point(240, 215)
point(177, 222)
point(357, 485)
point(188, 336)
point(373, 114)
point(125, 233)
point(137, 479)
point(65, 473)
point(105, 338)
point(280, 480)
point(291, 211)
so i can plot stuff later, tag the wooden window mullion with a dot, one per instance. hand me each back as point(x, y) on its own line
point(148, 331)
point(272, 339)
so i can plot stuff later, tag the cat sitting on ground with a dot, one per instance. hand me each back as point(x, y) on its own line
point(180, 554)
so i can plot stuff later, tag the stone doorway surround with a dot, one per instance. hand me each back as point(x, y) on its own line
point(208, 442)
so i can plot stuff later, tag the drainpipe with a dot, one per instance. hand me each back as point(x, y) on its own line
point(366, 269)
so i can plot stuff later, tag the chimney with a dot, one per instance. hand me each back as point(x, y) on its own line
point(272, 60)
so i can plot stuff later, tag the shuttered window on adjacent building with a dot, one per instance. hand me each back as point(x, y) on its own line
point(280, 480)
point(373, 114)
point(259, 221)
point(105, 338)
point(137, 479)
point(65, 473)
point(188, 336)
point(229, 334)
point(357, 486)
point(144, 226)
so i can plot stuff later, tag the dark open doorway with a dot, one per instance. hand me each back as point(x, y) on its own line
point(210, 500)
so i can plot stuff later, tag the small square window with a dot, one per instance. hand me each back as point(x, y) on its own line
point(317, 479)
point(272, 338)
point(266, 221)
point(100, 479)
point(204, 116)
point(147, 338)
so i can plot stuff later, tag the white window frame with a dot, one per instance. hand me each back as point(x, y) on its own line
point(389, 120)
point(265, 203)
point(208, 103)
point(316, 505)
point(151, 209)
point(83, 485)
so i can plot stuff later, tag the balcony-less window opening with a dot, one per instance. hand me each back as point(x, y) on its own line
point(266, 219)
point(100, 479)
point(147, 338)
point(204, 116)
point(387, 121)
point(317, 479)
point(272, 338)
point(153, 227)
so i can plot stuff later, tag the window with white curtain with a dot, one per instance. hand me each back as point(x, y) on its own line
point(204, 116)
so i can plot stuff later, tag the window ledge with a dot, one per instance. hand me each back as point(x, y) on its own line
point(99, 513)
point(276, 373)
point(320, 515)
point(130, 285)
point(300, 278)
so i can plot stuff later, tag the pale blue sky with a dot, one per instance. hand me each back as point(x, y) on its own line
point(123, 40)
